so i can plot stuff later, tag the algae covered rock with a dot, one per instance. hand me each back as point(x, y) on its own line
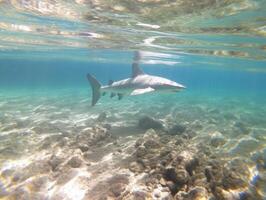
point(178, 176)
point(191, 165)
point(245, 146)
point(55, 161)
point(151, 144)
point(102, 117)
point(177, 129)
point(217, 139)
point(196, 193)
point(75, 162)
point(147, 122)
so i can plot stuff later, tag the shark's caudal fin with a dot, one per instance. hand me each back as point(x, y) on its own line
point(96, 87)
point(136, 70)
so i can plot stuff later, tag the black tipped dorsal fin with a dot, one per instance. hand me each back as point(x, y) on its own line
point(136, 70)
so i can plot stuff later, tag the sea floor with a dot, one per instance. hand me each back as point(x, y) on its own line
point(53, 145)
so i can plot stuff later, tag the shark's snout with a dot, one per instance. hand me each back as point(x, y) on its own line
point(182, 87)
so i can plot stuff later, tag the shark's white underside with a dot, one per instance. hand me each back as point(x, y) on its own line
point(142, 84)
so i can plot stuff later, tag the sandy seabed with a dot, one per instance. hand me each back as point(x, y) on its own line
point(58, 147)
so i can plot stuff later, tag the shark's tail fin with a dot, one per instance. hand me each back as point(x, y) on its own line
point(96, 89)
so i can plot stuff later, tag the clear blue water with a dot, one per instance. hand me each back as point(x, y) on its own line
point(216, 49)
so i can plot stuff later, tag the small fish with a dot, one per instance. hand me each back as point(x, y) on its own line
point(139, 83)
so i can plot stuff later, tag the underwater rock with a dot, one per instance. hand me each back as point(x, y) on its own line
point(33, 169)
point(178, 176)
point(162, 182)
point(7, 173)
point(209, 174)
point(139, 142)
point(107, 126)
point(38, 182)
point(47, 127)
point(139, 194)
point(116, 185)
point(177, 129)
point(229, 116)
point(141, 151)
point(117, 189)
point(260, 158)
point(3, 191)
point(245, 146)
point(9, 151)
point(50, 140)
point(20, 193)
point(161, 193)
point(259, 134)
point(64, 141)
point(18, 176)
point(92, 136)
point(151, 144)
point(181, 177)
point(136, 167)
point(197, 125)
point(236, 174)
point(217, 139)
point(37, 167)
point(229, 195)
point(156, 194)
point(196, 193)
point(147, 122)
point(101, 134)
point(75, 162)
point(179, 141)
point(65, 176)
point(214, 111)
point(242, 127)
point(102, 117)
point(232, 180)
point(55, 161)
point(150, 133)
point(189, 134)
point(172, 187)
point(165, 151)
point(191, 165)
point(170, 174)
point(84, 147)
point(9, 127)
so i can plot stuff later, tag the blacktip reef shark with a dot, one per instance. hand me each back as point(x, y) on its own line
point(139, 83)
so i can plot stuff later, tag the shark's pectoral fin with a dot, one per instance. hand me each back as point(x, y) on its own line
point(120, 96)
point(142, 91)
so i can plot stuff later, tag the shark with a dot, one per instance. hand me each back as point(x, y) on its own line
point(139, 83)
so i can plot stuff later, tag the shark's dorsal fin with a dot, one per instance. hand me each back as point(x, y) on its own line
point(110, 82)
point(136, 70)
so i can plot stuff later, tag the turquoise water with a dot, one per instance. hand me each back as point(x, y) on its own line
point(206, 142)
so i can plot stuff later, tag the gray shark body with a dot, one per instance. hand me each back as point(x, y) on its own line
point(139, 83)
